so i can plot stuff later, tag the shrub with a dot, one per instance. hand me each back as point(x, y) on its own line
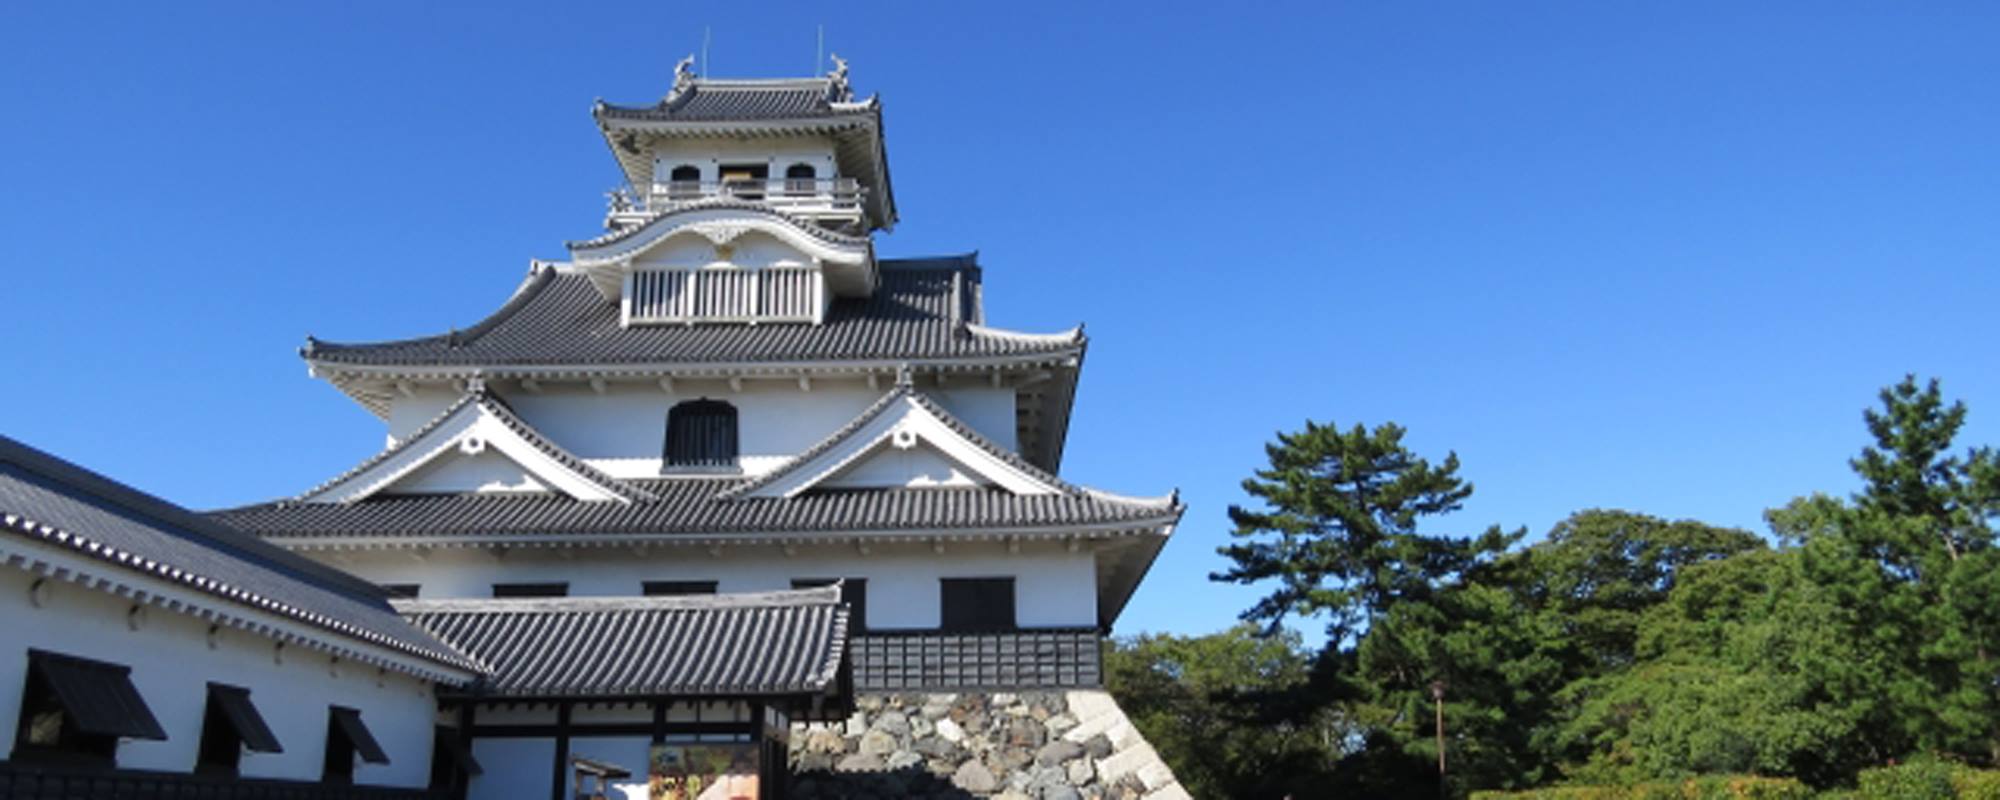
point(1917, 780)
point(1714, 787)
point(1974, 784)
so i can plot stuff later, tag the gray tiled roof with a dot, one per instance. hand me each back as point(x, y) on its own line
point(743, 644)
point(47, 499)
point(922, 310)
point(744, 101)
point(689, 506)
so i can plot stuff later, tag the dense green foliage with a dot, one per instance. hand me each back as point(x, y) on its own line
point(1621, 655)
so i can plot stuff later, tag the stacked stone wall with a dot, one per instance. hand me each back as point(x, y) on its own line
point(1036, 745)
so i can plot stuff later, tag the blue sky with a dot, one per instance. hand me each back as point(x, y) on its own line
point(1643, 256)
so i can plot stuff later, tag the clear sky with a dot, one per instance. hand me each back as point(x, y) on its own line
point(1651, 256)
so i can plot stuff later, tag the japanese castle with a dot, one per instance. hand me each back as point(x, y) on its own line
point(724, 484)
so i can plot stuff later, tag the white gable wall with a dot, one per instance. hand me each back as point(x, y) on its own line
point(172, 664)
point(1053, 586)
point(456, 472)
point(622, 430)
point(922, 465)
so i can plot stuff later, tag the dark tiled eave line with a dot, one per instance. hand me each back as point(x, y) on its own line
point(216, 588)
point(535, 644)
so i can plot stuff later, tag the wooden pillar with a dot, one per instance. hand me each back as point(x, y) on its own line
point(563, 753)
point(465, 721)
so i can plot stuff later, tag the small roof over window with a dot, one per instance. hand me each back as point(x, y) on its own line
point(349, 721)
point(243, 717)
point(98, 697)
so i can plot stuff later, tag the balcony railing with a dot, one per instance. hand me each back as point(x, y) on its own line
point(933, 660)
point(776, 294)
point(811, 196)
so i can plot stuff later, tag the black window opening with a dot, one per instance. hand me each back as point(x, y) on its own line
point(745, 180)
point(853, 592)
point(531, 590)
point(452, 764)
point(228, 727)
point(972, 605)
point(701, 433)
point(674, 588)
point(347, 737)
point(74, 710)
point(403, 590)
point(684, 182)
point(801, 179)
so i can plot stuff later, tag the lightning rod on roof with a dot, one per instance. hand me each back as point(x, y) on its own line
point(704, 49)
point(819, 54)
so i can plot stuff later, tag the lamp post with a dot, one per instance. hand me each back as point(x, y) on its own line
point(1437, 701)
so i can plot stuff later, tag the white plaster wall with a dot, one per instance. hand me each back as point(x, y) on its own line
point(752, 250)
point(172, 665)
point(1053, 587)
point(621, 431)
point(488, 471)
point(777, 153)
point(918, 466)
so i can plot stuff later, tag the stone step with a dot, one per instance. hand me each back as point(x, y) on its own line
point(1124, 736)
point(1093, 726)
point(1085, 705)
point(1127, 761)
point(1171, 791)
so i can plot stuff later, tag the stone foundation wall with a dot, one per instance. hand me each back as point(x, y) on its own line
point(1037, 745)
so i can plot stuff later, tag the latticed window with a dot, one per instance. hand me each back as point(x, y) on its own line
point(701, 433)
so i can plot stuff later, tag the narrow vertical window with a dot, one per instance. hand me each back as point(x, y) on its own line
point(701, 433)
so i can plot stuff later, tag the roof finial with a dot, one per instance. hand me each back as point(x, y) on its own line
point(905, 377)
point(683, 74)
point(838, 79)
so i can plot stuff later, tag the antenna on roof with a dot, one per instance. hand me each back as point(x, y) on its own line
point(704, 50)
point(819, 55)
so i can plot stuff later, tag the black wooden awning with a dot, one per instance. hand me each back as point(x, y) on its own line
point(98, 697)
point(349, 721)
point(242, 715)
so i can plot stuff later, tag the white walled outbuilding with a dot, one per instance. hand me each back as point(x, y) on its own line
point(173, 656)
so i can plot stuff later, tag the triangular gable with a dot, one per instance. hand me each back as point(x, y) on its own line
point(475, 427)
point(904, 421)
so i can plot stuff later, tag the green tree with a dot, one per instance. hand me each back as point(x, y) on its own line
point(1912, 556)
point(1201, 702)
point(1338, 533)
point(1746, 667)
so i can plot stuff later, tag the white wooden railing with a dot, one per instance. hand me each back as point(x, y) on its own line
point(777, 294)
point(795, 194)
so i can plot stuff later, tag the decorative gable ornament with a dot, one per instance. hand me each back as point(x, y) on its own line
point(476, 426)
point(903, 422)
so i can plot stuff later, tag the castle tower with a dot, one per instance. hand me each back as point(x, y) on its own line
point(728, 392)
